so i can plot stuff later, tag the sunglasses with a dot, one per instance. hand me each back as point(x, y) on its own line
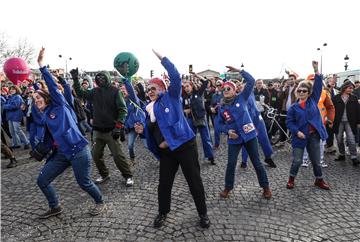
point(227, 89)
point(301, 90)
point(151, 89)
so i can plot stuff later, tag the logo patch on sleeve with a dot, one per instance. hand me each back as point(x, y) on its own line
point(248, 128)
point(52, 116)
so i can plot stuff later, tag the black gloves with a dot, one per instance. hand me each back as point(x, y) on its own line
point(118, 132)
point(75, 74)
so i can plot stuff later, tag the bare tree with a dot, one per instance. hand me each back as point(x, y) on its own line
point(23, 49)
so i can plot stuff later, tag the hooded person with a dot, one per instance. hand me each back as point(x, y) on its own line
point(88, 78)
point(109, 114)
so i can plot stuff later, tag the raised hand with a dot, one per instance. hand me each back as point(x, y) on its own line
point(157, 54)
point(41, 57)
point(232, 69)
point(315, 65)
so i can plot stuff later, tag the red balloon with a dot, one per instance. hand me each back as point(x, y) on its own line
point(16, 70)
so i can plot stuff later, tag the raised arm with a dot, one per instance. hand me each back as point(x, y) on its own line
point(131, 92)
point(56, 97)
point(317, 87)
point(204, 83)
point(86, 94)
point(175, 80)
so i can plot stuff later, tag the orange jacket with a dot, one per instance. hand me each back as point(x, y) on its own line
point(326, 107)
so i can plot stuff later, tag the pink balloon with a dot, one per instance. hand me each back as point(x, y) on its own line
point(16, 70)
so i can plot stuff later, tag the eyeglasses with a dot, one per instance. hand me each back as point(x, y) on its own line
point(151, 89)
point(301, 90)
point(227, 89)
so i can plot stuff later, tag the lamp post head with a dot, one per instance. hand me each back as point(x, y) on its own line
point(60, 56)
point(346, 58)
point(318, 49)
point(325, 44)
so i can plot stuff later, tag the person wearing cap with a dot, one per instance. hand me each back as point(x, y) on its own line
point(109, 114)
point(347, 119)
point(235, 121)
point(305, 124)
point(214, 107)
point(65, 144)
point(170, 138)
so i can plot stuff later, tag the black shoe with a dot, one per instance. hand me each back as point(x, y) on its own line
point(159, 220)
point(12, 164)
point(101, 179)
point(51, 212)
point(340, 158)
point(355, 162)
point(270, 162)
point(212, 161)
point(26, 147)
point(204, 221)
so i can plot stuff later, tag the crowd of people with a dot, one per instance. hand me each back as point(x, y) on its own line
point(166, 113)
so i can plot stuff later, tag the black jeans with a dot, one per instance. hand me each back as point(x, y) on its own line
point(330, 139)
point(187, 157)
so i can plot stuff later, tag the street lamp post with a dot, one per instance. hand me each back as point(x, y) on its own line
point(66, 69)
point(321, 57)
point(346, 59)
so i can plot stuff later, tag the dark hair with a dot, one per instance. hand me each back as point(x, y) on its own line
point(44, 94)
point(17, 89)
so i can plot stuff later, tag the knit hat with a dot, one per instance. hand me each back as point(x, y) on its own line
point(231, 84)
point(310, 77)
point(158, 82)
point(5, 89)
point(347, 83)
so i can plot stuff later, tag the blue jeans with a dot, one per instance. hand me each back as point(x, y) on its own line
point(264, 141)
point(233, 152)
point(313, 149)
point(81, 165)
point(131, 141)
point(17, 134)
point(205, 138)
point(216, 131)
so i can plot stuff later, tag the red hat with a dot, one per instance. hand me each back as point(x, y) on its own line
point(158, 82)
point(231, 84)
point(310, 77)
point(5, 89)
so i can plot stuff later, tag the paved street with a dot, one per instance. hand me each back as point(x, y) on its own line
point(302, 214)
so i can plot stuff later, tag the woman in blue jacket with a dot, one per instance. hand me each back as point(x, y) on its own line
point(306, 126)
point(14, 115)
point(134, 115)
point(70, 147)
point(234, 120)
point(170, 139)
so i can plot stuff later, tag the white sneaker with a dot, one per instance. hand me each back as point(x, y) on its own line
point(323, 164)
point(129, 182)
point(305, 163)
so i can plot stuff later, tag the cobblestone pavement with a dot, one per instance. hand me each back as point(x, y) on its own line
point(302, 214)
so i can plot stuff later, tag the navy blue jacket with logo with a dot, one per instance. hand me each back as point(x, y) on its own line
point(236, 116)
point(60, 121)
point(169, 114)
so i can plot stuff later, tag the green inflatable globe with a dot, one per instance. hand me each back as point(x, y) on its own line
point(126, 64)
